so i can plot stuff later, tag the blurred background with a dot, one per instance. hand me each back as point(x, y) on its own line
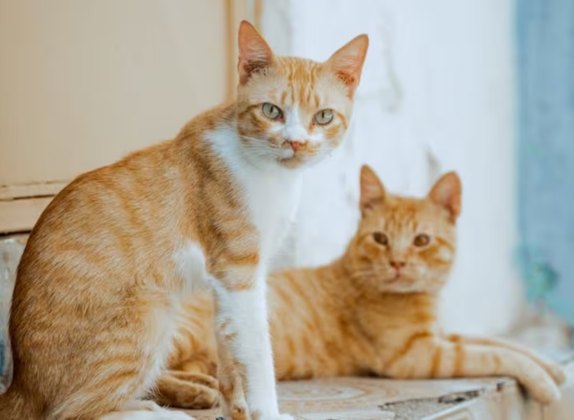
point(483, 87)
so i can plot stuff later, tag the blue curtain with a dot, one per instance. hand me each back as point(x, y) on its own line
point(546, 150)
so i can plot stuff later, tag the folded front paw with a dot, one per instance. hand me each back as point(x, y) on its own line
point(557, 373)
point(545, 392)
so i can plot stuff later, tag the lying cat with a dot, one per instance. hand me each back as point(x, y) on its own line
point(372, 311)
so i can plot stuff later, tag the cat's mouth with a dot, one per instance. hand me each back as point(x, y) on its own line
point(306, 155)
point(400, 278)
point(294, 158)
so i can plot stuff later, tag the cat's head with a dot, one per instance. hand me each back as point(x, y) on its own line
point(291, 110)
point(405, 245)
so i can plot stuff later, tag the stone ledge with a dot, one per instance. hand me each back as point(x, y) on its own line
point(374, 399)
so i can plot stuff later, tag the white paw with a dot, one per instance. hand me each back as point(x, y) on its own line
point(176, 415)
point(163, 413)
point(145, 405)
point(557, 373)
point(147, 413)
point(546, 392)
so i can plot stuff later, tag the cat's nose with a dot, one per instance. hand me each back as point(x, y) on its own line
point(296, 144)
point(397, 265)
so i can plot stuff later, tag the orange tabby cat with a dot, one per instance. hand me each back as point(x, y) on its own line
point(109, 264)
point(374, 310)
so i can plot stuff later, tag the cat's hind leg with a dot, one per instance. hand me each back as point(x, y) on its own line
point(187, 390)
point(116, 365)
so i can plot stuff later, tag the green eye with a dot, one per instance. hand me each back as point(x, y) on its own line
point(273, 112)
point(324, 117)
point(381, 238)
point(422, 240)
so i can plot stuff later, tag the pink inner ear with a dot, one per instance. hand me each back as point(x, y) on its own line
point(372, 189)
point(254, 53)
point(447, 193)
point(347, 78)
point(247, 68)
point(347, 61)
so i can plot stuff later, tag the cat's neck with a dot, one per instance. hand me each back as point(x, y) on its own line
point(259, 181)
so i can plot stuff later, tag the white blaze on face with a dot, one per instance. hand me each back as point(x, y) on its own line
point(293, 129)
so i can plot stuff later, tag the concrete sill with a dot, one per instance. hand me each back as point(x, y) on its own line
point(374, 399)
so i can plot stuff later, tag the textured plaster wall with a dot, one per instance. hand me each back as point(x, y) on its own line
point(437, 94)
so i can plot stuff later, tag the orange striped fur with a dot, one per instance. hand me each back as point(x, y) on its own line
point(361, 315)
point(106, 270)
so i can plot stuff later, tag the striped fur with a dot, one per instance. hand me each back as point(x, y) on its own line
point(360, 315)
point(102, 282)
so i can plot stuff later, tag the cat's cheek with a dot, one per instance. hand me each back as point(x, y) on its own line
point(334, 132)
point(254, 125)
point(275, 130)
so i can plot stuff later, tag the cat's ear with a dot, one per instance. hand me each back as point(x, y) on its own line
point(254, 53)
point(347, 61)
point(447, 193)
point(372, 190)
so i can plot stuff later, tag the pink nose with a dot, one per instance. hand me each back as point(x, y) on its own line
point(397, 265)
point(296, 144)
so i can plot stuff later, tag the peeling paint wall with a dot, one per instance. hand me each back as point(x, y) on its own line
point(437, 94)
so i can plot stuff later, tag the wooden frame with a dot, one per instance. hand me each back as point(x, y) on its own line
point(21, 205)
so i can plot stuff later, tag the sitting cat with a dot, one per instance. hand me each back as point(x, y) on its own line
point(372, 311)
point(111, 261)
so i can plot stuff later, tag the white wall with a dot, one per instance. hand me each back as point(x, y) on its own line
point(437, 94)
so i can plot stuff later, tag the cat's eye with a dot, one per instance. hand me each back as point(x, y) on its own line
point(421, 240)
point(381, 238)
point(324, 117)
point(273, 112)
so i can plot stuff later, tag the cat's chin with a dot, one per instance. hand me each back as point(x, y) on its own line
point(300, 160)
point(293, 162)
point(401, 284)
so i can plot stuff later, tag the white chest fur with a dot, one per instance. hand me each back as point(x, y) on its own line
point(272, 200)
point(270, 192)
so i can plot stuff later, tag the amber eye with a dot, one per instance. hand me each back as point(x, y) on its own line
point(273, 112)
point(381, 238)
point(422, 240)
point(324, 117)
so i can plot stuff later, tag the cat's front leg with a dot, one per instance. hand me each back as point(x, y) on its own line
point(427, 356)
point(551, 367)
point(246, 360)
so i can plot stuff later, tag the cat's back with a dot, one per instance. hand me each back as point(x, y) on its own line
point(124, 220)
point(103, 222)
point(109, 202)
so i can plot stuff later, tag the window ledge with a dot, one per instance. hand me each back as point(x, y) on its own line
point(371, 398)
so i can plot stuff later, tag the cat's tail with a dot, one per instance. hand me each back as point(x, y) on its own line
point(15, 406)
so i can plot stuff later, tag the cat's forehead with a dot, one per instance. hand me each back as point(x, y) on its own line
point(406, 215)
point(299, 71)
point(297, 82)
